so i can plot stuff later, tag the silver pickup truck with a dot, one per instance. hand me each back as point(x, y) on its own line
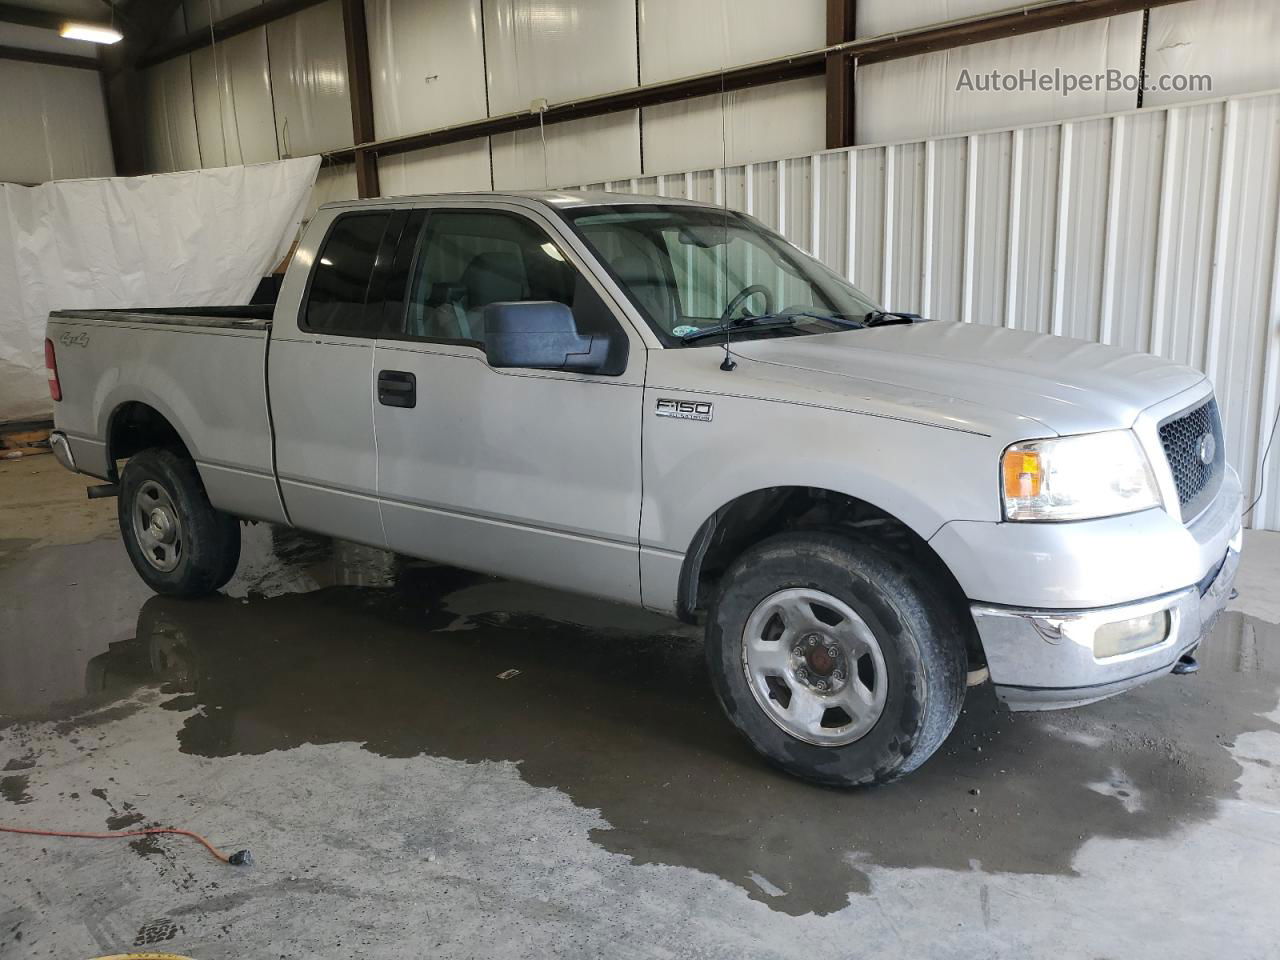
point(665, 404)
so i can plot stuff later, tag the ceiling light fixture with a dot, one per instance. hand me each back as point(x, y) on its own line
point(94, 33)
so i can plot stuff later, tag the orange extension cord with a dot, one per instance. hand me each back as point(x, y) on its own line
point(241, 858)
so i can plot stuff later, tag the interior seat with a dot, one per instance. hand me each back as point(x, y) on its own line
point(650, 287)
point(494, 277)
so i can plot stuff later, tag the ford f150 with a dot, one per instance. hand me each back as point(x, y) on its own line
point(665, 404)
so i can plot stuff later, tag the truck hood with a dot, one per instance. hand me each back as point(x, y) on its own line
point(1069, 386)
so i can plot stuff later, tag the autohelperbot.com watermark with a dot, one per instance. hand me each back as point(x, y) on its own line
point(1066, 82)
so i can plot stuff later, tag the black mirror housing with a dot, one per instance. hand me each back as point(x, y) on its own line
point(540, 335)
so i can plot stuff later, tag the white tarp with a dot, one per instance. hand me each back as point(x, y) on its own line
point(204, 237)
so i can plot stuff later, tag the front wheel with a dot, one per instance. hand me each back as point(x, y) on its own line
point(833, 660)
point(179, 544)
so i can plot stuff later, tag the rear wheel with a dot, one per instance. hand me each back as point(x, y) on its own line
point(179, 544)
point(833, 660)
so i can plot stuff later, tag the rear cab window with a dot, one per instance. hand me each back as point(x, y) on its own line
point(338, 297)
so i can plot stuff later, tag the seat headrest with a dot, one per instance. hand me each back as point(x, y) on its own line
point(494, 277)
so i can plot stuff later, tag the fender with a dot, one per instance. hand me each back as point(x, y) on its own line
point(918, 474)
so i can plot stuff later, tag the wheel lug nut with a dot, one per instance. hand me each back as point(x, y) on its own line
point(837, 675)
point(822, 684)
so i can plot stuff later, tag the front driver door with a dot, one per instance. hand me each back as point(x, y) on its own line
point(531, 474)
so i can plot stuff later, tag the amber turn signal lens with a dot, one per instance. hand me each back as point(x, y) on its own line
point(1022, 474)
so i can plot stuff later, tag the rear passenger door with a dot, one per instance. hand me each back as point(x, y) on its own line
point(320, 375)
point(532, 474)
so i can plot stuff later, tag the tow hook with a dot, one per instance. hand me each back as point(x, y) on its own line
point(1186, 664)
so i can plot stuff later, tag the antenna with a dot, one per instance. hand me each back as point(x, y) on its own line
point(728, 363)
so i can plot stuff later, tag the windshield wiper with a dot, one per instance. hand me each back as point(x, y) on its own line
point(838, 319)
point(883, 318)
point(722, 329)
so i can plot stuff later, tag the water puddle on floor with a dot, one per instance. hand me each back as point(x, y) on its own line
point(321, 642)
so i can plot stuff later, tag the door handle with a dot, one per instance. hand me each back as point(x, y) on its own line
point(397, 388)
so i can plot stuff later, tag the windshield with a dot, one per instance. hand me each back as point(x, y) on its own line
point(692, 269)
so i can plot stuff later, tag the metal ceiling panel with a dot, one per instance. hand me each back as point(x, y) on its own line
point(455, 167)
point(308, 59)
point(172, 142)
point(928, 95)
point(1232, 41)
point(557, 50)
point(692, 133)
point(54, 122)
point(878, 17)
point(680, 39)
point(577, 151)
point(201, 13)
point(427, 64)
point(235, 117)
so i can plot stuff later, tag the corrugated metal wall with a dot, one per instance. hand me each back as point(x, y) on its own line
point(1154, 230)
point(452, 61)
point(54, 122)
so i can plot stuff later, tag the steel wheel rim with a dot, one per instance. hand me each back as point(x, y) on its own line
point(814, 666)
point(156, 526)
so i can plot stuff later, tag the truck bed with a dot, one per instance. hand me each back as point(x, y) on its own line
point(201, 369)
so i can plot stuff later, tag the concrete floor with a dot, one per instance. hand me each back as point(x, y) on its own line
point(340, 712)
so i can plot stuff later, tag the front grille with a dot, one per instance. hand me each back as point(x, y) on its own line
point(1189, 441)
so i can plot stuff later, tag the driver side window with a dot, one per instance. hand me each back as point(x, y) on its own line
point(468, 259)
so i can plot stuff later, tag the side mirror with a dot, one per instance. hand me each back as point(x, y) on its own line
point(540, 335)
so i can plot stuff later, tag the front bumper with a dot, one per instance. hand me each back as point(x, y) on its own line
point(1044, 659)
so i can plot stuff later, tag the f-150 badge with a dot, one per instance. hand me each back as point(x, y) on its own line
point(684, 409)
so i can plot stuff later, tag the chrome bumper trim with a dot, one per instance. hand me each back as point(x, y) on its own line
point(1043, 660)
point(62, 450)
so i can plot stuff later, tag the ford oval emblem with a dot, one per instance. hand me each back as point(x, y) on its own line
point(1207, 448)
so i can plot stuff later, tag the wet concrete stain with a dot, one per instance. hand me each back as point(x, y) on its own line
point(24, 762)
point(157, 931)
point(122, 817)
point(12, 548)
point(148, 846)
point(14, 789)
point(616, 711)
point(124, 821)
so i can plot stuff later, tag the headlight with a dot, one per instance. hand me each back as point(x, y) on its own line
point(1077, 478)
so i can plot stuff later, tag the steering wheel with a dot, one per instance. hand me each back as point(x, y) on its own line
point(743, 295)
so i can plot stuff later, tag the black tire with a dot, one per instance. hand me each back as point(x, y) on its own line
point(921, 640)
point(206, 549)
